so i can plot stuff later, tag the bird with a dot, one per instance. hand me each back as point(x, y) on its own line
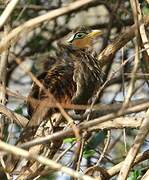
point(72, 76)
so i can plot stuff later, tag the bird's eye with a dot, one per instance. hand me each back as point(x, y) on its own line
point(79, 35)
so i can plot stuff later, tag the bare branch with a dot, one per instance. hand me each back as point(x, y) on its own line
point(14, 117)
point(144, 129)
point(91, 125)
point(7, 12)
point(140, 157)
point(108, 53)
point(43, 160)
point(146, 175)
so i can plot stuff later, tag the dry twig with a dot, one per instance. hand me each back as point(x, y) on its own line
point(52, 164)
point(139, 158)
point(144, 129)
point(7, 12)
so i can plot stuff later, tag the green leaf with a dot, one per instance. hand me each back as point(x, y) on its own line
point(69, 140)
point(134, 175)
point(88, 153)
point(146, 10)
point(51, 176)
point(19, 110)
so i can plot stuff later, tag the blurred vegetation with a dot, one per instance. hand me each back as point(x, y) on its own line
point(111, 16)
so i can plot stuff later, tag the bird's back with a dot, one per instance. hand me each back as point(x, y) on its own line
point(58, 80)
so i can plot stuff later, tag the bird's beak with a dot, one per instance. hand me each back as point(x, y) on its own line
point(95, 33)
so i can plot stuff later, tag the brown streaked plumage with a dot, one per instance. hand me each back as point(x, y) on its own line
point(73, 76)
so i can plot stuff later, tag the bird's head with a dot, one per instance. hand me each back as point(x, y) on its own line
point(82, 38)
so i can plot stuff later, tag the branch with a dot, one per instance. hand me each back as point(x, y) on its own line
point(7, 12)
point(3, 79)
point(108, 53)
point(43, 160)
point(143, 33)
point(118, 123)
point(15, 117)
point(86, 125)
point(115, 169)
point(91, 125)
point(144, 129)
point(146, 175)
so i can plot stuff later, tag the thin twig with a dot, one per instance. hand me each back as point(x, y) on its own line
point(14, 117)
point(139, 158)
point(92, 126)
point(136, 61)
point(146, 175)
point(143, 32)
point(43, 160)
point(105, 148)
point(107, 54)
point(7, 12)
point(3, 75)
point(144, 129)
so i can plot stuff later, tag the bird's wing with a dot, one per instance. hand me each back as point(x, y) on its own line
point(58, 80)
point(88, 77)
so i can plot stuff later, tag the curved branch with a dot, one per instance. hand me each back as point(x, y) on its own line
point(15, 117)
point(43, 160)
point(108, 53)
point(7, 12)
